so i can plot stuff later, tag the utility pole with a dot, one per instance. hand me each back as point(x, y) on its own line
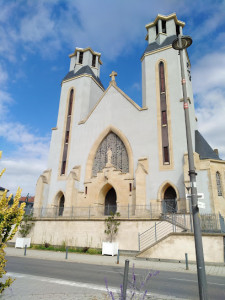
point(181, 43)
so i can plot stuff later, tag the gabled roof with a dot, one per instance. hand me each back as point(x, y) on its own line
point(122, 93)
point(86, 70)
point(203, 148)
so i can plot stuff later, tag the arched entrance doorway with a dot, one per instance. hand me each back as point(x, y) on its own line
point(110, 202)
point(61, 205)
point(170, 200)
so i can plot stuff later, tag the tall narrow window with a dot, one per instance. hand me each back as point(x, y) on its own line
point(163, 26)
point(218, 183)
point(63, 170)
point(93, 60)
point(67, 137)
point(164, 117)
point(163, 110)
point(166, 154)
point(81, 57)
point(70, 103)
point(67, 133)
point(162, 77)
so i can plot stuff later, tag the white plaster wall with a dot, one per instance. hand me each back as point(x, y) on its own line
point(174, 90)
point(80, 233)
point(203, 187)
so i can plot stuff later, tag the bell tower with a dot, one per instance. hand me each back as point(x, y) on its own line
point(162, 90)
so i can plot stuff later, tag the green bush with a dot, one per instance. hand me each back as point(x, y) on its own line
point(47, 246)
point(94, 251)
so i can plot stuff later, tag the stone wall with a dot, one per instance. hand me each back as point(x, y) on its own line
point(176, 245)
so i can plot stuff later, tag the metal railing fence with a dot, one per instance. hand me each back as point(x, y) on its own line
point(126, 211)
point(210, 223)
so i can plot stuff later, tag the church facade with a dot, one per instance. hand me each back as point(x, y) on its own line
point(108, 154)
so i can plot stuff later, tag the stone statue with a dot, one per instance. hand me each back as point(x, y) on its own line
point(109, 156)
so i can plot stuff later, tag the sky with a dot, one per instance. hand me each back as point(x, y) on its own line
point(36, 38)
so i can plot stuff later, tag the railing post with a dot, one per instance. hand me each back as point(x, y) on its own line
point(175, 223)
point(184, 219)
point(172, 223)
point(128, 212)
point(139, 241)
point(155, 233)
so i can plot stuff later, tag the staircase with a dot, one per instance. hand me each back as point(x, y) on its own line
point(169, 223)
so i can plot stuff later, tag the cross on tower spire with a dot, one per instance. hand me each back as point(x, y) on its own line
point(113, 75)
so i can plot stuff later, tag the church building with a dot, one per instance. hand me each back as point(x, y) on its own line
point(108, 154)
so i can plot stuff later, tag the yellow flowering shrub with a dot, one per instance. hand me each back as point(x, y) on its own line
point(10, 219)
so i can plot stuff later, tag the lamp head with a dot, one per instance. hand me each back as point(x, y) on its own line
point(186, 41)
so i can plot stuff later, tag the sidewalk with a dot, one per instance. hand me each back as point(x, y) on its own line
point(214, 270)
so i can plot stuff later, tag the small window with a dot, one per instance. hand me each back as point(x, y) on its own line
point(67, 137)
point(130, 185)
point(85, 190)
point(166, 154)
point(164, 118)
point(81, 57)
point(63, 167)
point(177, 30)
point(157, 29)
point(218, 183)
point(163, 26)
point(93, 60)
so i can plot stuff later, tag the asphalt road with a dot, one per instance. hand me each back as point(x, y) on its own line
point(173, 284)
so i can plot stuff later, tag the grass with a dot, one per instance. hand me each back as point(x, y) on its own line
point(62, 248)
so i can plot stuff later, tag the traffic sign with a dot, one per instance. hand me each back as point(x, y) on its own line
point(200, 196)
point(201, 204)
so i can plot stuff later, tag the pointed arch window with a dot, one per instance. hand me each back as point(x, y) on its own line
point(218, 183)
point(119, 157)
point(67, 132)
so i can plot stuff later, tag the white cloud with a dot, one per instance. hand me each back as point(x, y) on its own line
point(21, 173)
point(209, 86)
point(27, 158)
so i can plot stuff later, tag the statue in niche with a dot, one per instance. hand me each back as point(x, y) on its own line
point(110, 152)
point(109, 157)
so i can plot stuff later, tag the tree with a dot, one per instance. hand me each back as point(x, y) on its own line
point(112, 225)
point(26, 225)
point(10, 219)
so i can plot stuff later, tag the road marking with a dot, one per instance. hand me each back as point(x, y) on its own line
point(180, 279)
point(90, 286)
point(63, 282)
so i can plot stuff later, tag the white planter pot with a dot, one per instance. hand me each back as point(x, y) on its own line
point(21, 242)
point(109, 248)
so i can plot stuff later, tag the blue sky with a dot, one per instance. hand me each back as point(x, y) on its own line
point(36, 38)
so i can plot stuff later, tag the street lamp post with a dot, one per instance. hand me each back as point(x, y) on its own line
point(181, 43)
